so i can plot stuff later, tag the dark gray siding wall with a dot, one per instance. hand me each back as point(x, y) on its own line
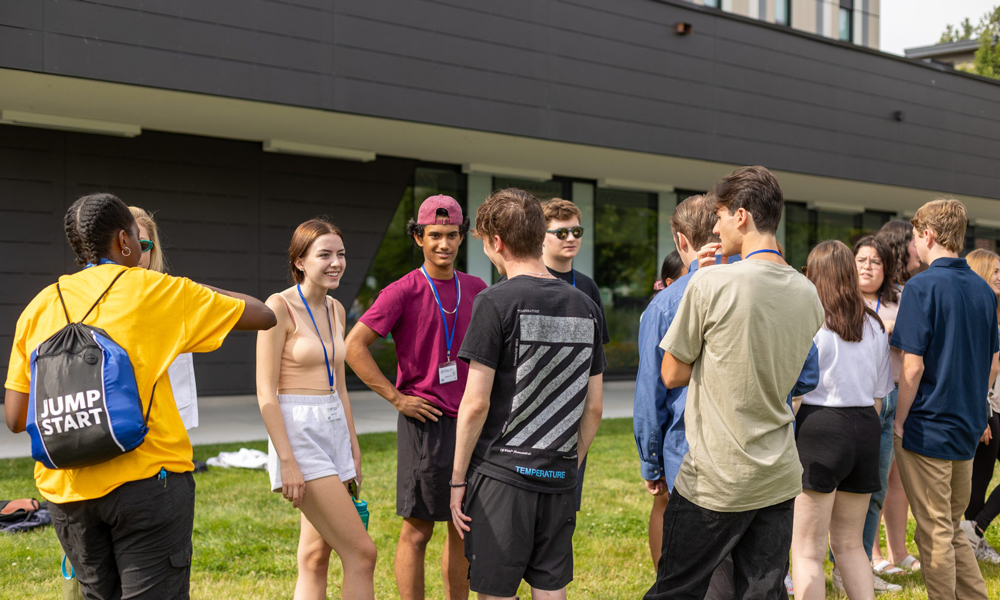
point(589, 71)
point(226, 210)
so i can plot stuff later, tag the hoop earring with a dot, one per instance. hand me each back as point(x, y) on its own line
point(126, 251)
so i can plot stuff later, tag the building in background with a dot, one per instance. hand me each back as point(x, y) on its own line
point(960, 55)
point(235, 120)
point(855, 21)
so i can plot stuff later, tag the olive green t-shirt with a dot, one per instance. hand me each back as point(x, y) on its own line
point(746, 329)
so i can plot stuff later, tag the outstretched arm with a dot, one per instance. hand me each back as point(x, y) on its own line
point(256, 315)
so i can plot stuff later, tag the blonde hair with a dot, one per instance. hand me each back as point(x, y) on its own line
point(983, 262)
point(157, 262)
point(946, 218)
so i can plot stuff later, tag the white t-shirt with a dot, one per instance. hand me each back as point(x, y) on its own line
point(852, 373)
point(181, 374)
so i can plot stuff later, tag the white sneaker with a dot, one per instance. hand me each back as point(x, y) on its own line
point(788, 584)
point(986, 553)
point(881, 585)
point(838, 581)
point(969, 527)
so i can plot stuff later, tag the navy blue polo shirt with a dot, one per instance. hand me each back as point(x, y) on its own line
point(948, 315)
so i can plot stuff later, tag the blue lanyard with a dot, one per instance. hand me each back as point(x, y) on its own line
point(329, 370)
point(449, 334)
point(574, 276)
point(759, 251)
point(100, 261)
point(878, 304)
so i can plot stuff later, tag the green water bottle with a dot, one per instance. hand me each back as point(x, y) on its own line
point(361, 505)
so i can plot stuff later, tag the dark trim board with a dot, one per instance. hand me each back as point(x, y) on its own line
point(598, 73)
point(226, 209)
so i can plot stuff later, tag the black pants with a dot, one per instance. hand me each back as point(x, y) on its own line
point(133, 543)
point(983, 510)
point(697, 540)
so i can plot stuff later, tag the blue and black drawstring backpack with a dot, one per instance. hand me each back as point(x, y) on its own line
point(84, 407)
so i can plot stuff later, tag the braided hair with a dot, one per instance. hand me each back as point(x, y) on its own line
point(91, 224)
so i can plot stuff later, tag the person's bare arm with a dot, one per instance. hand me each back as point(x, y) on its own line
point(994, 369)
point(345, 399)
point(593, 408)
point(675, 373)
point(270, 344)
point(909, 380)
point(15, 408)
point(472, 413)
point(257, 316)
point(359, 357)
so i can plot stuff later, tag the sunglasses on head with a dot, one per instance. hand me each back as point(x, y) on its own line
point(563, 232)
point(145, 245)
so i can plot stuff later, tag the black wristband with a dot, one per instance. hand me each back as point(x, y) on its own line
point(458, 485)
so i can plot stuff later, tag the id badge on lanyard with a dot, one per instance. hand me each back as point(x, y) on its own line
point(448, 370)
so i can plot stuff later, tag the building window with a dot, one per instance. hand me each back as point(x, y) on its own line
point(625, 267)
point(805, 227)
point(984, 238)
point(846, 20)
point(783, 12)
point(712, 3)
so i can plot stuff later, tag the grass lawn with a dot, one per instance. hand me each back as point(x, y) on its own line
point(245, 537)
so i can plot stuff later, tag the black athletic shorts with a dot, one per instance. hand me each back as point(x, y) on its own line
point(134, 542)
point(518, 534)
point(839, 448)
point(425, 455)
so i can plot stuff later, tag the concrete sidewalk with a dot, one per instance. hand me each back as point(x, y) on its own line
point(224, 419)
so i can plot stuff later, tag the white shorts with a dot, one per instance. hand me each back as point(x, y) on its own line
point(317, 431)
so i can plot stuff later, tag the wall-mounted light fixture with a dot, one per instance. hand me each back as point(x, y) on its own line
point(629, 184)
point(305, 149)
point(837, 207)
point(514, 172)
point(65, 123)
point(682, 28)
point(899, 115)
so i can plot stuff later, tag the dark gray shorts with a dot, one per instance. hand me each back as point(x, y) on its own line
point(518, 534)
point(135, 542)
point(425, 457)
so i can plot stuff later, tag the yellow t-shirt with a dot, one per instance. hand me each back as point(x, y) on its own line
point(154, 317)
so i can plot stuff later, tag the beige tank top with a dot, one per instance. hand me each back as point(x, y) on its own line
point(302, 362)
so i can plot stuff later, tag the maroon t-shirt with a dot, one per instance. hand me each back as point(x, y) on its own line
point(407, 310)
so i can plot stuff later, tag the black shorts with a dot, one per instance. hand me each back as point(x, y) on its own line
point(518, 534)
point(839, 448)
point(425, 454)
point(134, 542)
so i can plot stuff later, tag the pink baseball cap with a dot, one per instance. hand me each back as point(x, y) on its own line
point(428, 213)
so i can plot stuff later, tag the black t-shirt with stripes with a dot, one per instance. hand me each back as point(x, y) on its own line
point(544, 339)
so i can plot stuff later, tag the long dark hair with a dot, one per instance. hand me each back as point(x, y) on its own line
point(92, 222)
point(888, 292)
point(831, 269)
point(672, 268)
point(897, 236)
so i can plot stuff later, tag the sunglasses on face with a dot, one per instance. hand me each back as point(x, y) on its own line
point(145, 245)
point(563, 232)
